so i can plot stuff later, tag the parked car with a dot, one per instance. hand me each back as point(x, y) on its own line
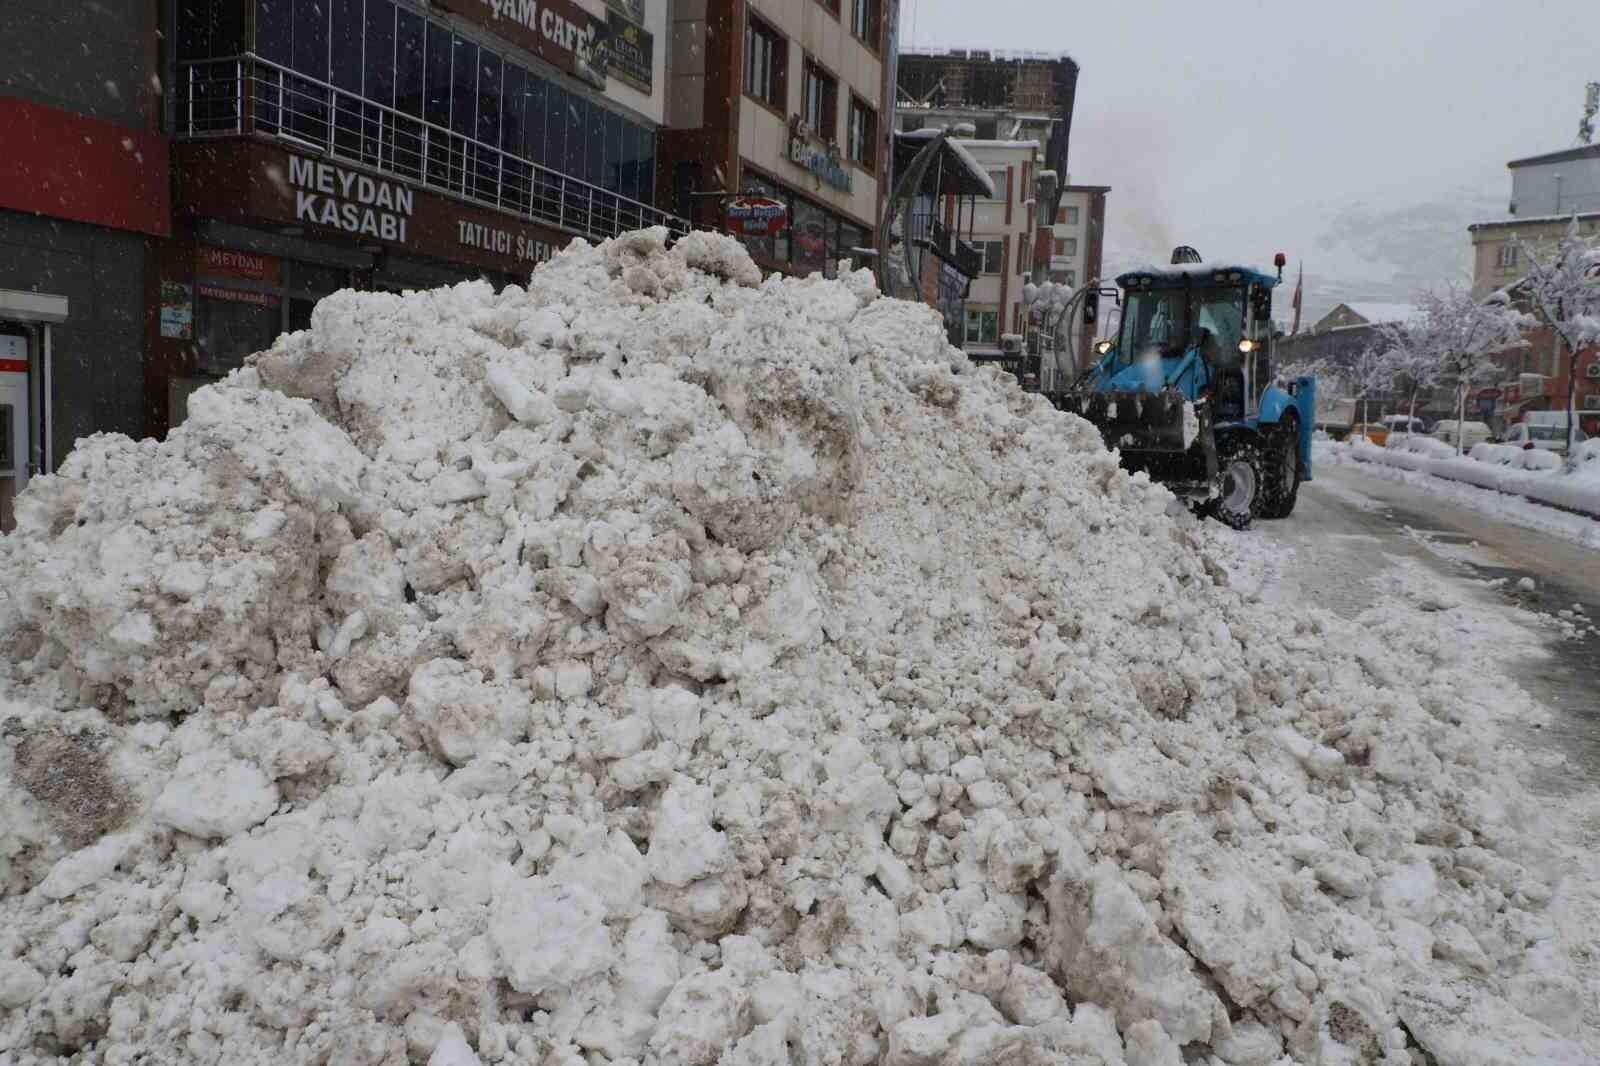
point(1545, 431)
point(1404, 424)
point(1376, 432)
point(1472, 433)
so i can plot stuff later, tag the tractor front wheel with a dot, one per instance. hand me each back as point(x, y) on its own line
point(1281, 486)
point(1240, 471)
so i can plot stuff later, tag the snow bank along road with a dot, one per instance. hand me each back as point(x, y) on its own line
point(664, 666)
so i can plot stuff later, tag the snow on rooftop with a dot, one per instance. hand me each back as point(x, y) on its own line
point(979, 175)
point(1382, 312)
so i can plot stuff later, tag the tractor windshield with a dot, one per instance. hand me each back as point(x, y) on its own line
point(1169, 321)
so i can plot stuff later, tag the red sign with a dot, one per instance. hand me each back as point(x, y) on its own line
point(239, 296)
point(13, 366)
point(229, 263)
point(63, 165)
point(757, 216)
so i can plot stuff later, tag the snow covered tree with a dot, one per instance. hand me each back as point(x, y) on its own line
point(1413, 357)
point(1564, 289)
point(1370, 374)
point(1456, 338)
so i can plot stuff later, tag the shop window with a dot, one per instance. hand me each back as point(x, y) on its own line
point(810, 239)
point(851, 236)
point(993, 256)
point(820, 106)
point(982, 326)
point(227, 330)
point(865, 19)
point(766, 58)
point(863, 139)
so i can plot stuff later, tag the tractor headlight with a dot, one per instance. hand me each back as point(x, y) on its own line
point(1103, 347)
point(1247, 346)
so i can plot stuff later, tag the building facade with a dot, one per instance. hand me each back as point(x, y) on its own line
point(991, 95)
point(1002, 233)
point(186, 181)
point(783, 99)
point(83, 193)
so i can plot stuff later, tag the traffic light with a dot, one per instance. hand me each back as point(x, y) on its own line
point(1091, 308)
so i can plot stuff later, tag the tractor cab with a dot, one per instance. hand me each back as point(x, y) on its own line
point(1201, 333)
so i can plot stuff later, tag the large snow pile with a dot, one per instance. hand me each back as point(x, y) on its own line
point(662, 666)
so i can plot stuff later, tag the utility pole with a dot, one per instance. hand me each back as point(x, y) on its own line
point(1591, 106)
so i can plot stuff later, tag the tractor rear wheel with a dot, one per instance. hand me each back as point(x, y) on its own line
point(1281, 485)
point(1240, 471)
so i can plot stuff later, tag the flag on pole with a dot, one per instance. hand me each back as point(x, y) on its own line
point(1295, 303)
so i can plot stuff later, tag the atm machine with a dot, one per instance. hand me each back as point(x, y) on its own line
point(26, 370)
point(14, 436)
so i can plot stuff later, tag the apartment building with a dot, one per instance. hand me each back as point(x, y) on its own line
point(1002, 233)
point(782, 99)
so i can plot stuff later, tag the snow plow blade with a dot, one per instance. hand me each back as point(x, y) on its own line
point(1140, 421)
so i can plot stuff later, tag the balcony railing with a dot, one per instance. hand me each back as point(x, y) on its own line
point(246, 95)
point(946, 245)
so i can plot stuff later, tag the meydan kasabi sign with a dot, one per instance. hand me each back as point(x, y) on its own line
point(557, 31)
point(330, 195)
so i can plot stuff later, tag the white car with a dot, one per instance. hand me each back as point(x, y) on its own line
point(1401, 424)
point(1471, 433)
point(1544, 435)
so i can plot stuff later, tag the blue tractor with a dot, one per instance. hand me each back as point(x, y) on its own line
point(1186, 391)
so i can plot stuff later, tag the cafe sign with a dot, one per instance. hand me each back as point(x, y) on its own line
point(557, 31)
point(820, 158)
point(632, 52)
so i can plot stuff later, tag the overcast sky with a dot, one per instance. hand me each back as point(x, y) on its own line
point(1361, 137)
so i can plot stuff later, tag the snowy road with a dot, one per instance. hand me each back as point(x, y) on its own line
point(1352, 532)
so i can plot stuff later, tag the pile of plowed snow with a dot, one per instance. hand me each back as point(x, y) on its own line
point(662, 666)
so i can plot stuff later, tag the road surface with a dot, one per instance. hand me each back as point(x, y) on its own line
point(1347, 522)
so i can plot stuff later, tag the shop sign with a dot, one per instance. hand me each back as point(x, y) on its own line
point(809, 152)
point(225, 262)
point(633, 53)
point(557, 31)
point(177, 310)
point(503, 242)
point(239, 296)
point(757, 216)
point(330, 195)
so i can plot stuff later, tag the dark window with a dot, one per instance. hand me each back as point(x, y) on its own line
point(464, 86)
point(766, 56)
point(594, 171)
point(487, 163)
point(534, 115)
point(514, 183)
point(863, 134)
point(556, 117)
point(311, 38)
point(992, 256)
point(865, 21)
point(274, 30)
point(377, 127)
point(986, 129)
point(616, 156)
point(410, 79)
point(345, 64)
point(647, 167)
point(820, 108)
point(575, 161)
point(436, 102)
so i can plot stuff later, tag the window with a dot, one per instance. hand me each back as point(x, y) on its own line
point(982, 326)
point(1506, 255)
point(1002, 187)
point(863, 138)
point(1066, 246)
point(993, 254)
point(865, 16)
point(1069, 277)
point(766, 56)
point(820, 108)
point(1069, 215)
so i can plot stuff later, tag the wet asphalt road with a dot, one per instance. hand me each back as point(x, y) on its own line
point(1347, 521)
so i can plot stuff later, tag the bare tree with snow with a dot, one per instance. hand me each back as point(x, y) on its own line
point(1413, 356)
point(1456, 339)
point(1564, 289)
point(1370, 374)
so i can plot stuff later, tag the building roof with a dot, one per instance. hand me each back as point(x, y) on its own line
point(965, 175)
point(1086, 188)
point(1530, 220)
point(1584, 151)
point(1378, 312)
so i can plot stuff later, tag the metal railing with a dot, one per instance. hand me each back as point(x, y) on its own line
point(246, 94)
point(946, 245)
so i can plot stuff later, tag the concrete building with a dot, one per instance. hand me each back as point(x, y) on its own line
point(1547, 191)
point(1002, 232)
point(785, 99)
point(1345, 315)
point(84, 189)
point(1076, 241)
point(1015, 96)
